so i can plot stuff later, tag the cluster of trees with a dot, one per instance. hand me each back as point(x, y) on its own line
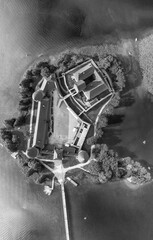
point(27, 87)
point(30, 80)
point(135, 171)
point(10, 134)
point(69, 60)
point(103, 119)
point(113, 67)
point(33, 169)
point(10, 139)
point(12, 123)
point(107, 166)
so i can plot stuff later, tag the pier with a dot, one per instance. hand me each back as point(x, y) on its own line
point(65, 212)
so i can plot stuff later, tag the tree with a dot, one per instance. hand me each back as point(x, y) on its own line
point(24, 109)
point(95, 57)
point(9, 123)
point(120, 80)
point(36, 72)
point(45, 177)
point(92, 140)
point(45, 72)
point(30, 172)
point(35, 164)
point(27, 92)
point(93, 167)
point(106, 61)
point(103, 121)
point(139, 174)
point(109, 110)
point(26, 83)
point(13, 147)
point(15, 139)
point(20, 121)
point(106, 166)
point(92, 178)
point(43, 64)
point(34, 177)
point(113, 67)
point(25, 102)
point(22, 160)
point(99, 133)
point(102, 178)
point(52, 68)
point(5, 134)
point(96, 151)
point(29, 74)
point(69, 60)
point(24, 95)
point(115, 100)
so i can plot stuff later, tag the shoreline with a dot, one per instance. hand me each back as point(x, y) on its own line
point(134, 186)
point(131, 185)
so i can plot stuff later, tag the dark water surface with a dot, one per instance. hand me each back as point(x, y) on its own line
point(113, 211)
point(133, 135)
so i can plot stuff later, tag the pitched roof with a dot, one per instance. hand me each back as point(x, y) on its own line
point(84, 72)
point(92, 93)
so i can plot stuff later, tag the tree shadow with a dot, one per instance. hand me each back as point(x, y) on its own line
point(110, 137)
point(132, 71)
point(115, 119)
point(127, 99)
point(124, 152)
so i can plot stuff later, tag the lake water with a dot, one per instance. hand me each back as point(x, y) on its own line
point(111, 211)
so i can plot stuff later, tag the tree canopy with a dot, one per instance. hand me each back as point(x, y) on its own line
point(107, 166)
point(20, 121)
point(33, 169)
point(9, 123)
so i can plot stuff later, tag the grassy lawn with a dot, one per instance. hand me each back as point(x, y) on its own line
point(61, 122)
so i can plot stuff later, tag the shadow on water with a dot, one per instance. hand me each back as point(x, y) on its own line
point(130, 133)
point(110, 137)
point(115, 119)
point(127, 100)
point(133, 75)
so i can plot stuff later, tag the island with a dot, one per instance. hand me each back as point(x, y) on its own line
point(65, 104)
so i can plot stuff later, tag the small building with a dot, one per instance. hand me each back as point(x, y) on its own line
point(72, 181)
point(58, 154)
point(80, 135)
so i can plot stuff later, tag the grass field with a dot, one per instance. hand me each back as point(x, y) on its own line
point(64, 122)
point(61, 122)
